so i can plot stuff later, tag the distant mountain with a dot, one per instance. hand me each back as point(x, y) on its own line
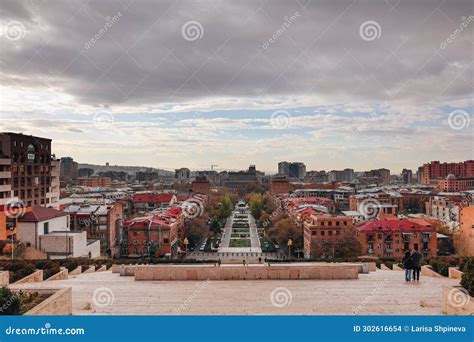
point(131, 170)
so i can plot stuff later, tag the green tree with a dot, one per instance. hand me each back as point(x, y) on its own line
point(286, 229)
point(226, 207)
point(255, 204)
point(197, 230)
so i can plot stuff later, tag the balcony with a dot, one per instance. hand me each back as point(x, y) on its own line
point(5, 188)
point(5, 174)
point(5, 161)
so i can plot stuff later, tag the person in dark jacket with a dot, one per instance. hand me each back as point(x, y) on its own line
point(416, 256)
point(407, 262)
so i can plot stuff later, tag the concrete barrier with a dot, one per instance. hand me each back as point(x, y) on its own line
point(4, 278)
point(455, 273)
point(58, 304)
point(34, 277)
point(204, 272)
point(383, 267)
point(77, 270)
point(397, 268)
point(372, 266)
point(91, 269)
point(427, 271)
point(457, 301)
point(102, 268)
point(61, 275)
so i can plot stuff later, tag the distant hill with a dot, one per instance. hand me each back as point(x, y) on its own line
point(131, 170)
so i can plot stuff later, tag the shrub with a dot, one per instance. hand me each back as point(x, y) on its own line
point(21, 273)
point(70, 265)
point(467, 280)
point(9, 302)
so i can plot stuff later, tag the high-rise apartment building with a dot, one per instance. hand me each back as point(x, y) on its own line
point(407, 176)
point(68, 169)
point(33, 170)
point(437, 170)
point(346, 175)
point(292, 169)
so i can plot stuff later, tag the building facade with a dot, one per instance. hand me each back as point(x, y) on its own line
point(34, 171)
point(435, 169)
point(390, 238)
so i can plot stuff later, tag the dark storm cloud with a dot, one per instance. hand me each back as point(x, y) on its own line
point(142, 58)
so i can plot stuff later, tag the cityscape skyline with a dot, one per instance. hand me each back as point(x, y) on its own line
point(107, 83)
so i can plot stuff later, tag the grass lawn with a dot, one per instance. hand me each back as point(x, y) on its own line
point(240, 243)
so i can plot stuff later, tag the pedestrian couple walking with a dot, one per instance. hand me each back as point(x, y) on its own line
point(411, 264)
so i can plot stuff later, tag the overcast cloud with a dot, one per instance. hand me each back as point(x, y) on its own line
point(125, 82)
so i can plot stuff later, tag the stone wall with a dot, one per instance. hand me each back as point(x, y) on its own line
point(32, 278)
point(77, 270)
point(427, 271)
point(61, 275)
point(59, 303)
point(4, 278)
point(455, 273)
point(308, 271)
point(456, 301)
point(91, 269)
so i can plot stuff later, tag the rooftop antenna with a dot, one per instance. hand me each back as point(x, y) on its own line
point(212, 167)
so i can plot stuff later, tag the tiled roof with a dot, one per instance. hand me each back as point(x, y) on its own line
point(152, 198)
point(376, 225)
point(38, 214)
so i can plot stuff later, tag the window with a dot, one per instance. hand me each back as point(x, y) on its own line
point(46, 227)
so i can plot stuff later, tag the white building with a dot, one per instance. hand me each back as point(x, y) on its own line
point(47, 230)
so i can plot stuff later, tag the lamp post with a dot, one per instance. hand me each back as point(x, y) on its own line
point(290, 242)
point(186, 243)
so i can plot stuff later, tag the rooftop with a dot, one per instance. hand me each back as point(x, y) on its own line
point(39, 213)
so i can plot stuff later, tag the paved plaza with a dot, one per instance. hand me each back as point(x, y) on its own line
point(378, 293)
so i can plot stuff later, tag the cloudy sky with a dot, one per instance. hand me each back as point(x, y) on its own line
point(337, 83)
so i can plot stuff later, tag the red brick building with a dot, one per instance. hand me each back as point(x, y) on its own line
point(151, 201)
point(382, 198)
point(453, 184)
point(280, 185)
point(437, 170)
point(95, 182)
point(201, 185)
point(390, 238)
point(323, 229)
point(156, 234)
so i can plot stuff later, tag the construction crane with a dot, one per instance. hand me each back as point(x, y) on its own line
point(212, 166)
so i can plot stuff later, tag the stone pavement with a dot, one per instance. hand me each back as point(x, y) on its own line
point(377, 293)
